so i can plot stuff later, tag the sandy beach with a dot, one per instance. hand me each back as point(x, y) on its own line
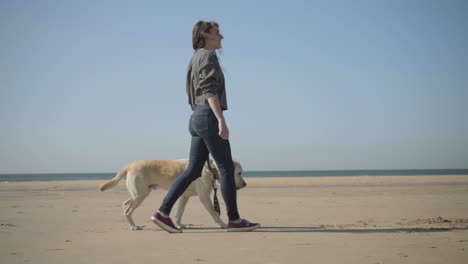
point(391, 219)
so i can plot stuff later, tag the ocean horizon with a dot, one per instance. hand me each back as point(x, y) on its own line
point(24, 177)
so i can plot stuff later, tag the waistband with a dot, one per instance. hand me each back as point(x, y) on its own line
point(202, 106)
point(202, 109)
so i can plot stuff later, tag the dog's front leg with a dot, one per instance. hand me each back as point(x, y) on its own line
point(180, 211)
point(205, 200)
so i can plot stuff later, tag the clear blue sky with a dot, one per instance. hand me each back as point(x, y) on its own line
point(89, 86)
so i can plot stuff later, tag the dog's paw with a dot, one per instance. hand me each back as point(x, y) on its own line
point(223, 225)
point(135, 228)
point(182, 226)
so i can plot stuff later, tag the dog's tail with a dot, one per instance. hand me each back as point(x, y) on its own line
point(114, 181)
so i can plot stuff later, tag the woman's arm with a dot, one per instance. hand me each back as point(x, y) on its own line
point(213, 101)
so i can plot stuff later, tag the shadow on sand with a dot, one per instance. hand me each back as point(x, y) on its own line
point(358, 231)
point(302, 229)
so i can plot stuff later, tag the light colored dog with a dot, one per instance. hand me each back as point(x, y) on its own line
point(144, 175)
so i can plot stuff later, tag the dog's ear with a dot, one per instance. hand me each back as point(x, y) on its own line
point(207, 167)
point(215, 169)
point(217, 174)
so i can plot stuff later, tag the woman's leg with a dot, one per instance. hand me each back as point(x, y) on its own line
point(220, 149)
point(198, 157)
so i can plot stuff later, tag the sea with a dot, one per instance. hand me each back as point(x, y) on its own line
point(246, 174)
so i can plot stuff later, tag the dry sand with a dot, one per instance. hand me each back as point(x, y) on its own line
point(410, 219)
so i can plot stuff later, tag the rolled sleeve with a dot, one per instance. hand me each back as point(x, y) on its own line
point(208, 76)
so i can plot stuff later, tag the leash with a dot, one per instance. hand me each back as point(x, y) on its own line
point(214, 172)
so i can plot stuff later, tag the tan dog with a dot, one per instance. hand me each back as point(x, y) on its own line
point(144, 175)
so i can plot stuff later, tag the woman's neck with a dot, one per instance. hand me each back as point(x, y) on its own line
point(209, 47)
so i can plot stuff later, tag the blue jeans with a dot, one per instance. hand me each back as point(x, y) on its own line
point(203, 127)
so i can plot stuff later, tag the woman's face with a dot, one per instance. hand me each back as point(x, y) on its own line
point(214, 38)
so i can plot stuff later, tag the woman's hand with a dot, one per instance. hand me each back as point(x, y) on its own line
point(223, 130)
point(213, 101)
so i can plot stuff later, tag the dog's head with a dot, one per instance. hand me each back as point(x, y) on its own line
point(240, 183)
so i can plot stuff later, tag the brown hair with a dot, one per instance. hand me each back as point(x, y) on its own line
point(198, 41)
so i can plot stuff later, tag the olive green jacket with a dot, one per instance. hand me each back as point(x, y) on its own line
point(205, 79)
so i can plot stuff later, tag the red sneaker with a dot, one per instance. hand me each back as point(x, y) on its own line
point(165, 223)
point(242, 226)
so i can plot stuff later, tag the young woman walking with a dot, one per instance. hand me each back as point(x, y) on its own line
point(210, 135)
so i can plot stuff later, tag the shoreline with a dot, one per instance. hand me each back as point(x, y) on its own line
point(286, 182)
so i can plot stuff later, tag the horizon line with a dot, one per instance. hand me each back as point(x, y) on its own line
point(329, 170)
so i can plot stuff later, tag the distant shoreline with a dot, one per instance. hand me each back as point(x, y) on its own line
point(259, 183)
point(464, 170)
point(247, 174)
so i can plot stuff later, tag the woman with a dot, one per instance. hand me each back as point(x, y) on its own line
point(210, 135)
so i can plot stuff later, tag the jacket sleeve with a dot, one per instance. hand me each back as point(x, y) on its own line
point(208, 75)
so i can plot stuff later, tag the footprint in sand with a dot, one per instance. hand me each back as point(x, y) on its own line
point(7, 225)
